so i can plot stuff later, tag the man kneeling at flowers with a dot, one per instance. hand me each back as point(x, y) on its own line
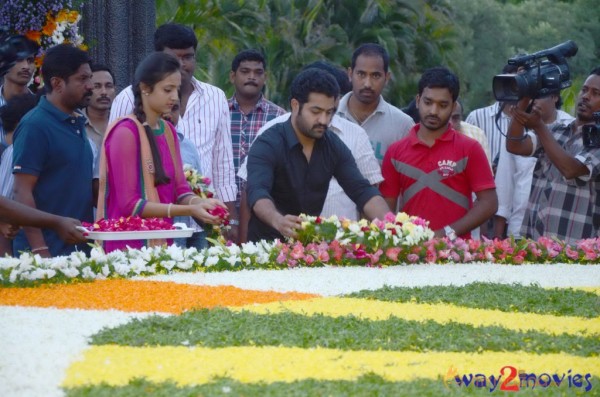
point(291, 164)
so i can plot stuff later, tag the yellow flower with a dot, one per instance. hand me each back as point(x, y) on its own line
point(402, 217)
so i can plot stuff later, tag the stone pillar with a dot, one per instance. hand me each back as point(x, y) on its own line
point(119, 34)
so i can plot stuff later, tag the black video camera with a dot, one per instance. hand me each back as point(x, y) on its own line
point(538, 77)
point(591, 133)
point(14, 48)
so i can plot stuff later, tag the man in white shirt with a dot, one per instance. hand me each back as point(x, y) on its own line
point(204, 114)
point(365, 106)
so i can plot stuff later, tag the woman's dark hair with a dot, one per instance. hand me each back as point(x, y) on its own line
point(153, 69)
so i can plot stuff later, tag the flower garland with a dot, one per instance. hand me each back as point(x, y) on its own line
point(46, 22)
point(379, 243)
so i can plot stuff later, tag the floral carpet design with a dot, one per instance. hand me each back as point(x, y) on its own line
point(181, 339)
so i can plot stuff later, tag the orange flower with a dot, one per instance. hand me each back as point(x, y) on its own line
point(49, 27)
point(140, 296)
point(62, 16)
point(34, 35)
point(38, 61)
point(72, 17)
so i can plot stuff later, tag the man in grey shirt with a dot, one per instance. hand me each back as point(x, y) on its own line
point(384, 123)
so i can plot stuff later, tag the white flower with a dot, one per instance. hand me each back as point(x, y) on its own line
point(70, 272)
point(215, 251)
point(199, 259)
point(234, 249)
point(175, 252)
point(87, 273)
point(122, 269)
point(211, 261)
point(186, 265)
point(233, 259)
point(98, 254)
point(168, 264)
point(13, 275)
point(138, 265)
point(249, 249)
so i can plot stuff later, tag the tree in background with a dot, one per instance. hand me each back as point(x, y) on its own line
point(295, 33)
point(474, 38)
point(491, 32)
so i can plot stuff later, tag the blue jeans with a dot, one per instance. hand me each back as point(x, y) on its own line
point(198, 240)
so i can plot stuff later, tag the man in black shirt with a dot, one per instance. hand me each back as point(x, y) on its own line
point(291, 164)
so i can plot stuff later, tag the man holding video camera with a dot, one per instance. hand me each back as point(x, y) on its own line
point(565, 195)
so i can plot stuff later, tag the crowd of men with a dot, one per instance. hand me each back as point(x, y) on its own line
point(516, 169)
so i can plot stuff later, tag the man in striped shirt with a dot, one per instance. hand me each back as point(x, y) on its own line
point(204, 113)
point(248, 107)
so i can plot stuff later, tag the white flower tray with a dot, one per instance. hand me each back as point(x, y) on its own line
point(180, 232)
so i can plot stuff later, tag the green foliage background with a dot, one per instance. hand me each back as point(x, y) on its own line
point(472, 37)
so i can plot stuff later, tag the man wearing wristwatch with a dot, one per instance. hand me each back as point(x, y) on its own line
point(435, 170)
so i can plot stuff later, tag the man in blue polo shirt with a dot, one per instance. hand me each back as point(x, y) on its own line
point(52, 158)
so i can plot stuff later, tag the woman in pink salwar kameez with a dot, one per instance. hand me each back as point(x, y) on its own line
point(140, 164)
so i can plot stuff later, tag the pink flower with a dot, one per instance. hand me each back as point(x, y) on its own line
point(323, 256)
point(374, 258)
point(420, 222)
point(430, 256)
point(281, 258)
point(412, 258)
point(390, 217)
point(454, 256)
point(392, 253)
point(590, 255)
point(297, 251)
point(571, 253)
point(309, 259)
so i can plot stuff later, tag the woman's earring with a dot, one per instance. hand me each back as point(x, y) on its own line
point(146, 93)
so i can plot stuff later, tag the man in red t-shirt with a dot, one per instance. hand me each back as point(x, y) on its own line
point(435, 169)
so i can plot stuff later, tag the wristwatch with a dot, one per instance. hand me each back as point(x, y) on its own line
point(450, 233)
point(234, 222)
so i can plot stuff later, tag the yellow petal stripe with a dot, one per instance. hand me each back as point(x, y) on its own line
point(441, 313)
point(117, 365)
point(593, 290)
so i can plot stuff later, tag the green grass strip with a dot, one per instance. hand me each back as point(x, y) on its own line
point(507, 298)
point(222, 328)
point(367, 386)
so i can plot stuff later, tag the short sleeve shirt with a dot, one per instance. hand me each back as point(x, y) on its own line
point(437, 182)
point(53, 146)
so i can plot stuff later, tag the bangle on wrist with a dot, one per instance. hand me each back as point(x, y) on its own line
point(38, 249)
point(169, 210)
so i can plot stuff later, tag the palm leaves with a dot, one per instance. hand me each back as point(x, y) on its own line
point(295, 33)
